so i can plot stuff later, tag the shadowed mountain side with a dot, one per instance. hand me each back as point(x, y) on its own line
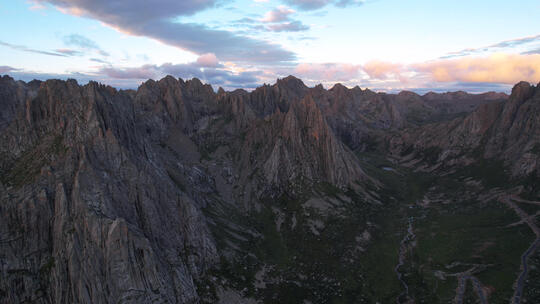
point(507, 131)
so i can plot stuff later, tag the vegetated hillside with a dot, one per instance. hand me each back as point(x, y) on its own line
point(175, 193)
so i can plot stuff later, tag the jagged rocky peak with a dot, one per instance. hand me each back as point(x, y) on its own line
point(357, 88)
point(408, 94)
point(12, 94)
point(307, 149)
point(221, 91)
point(319, 87)
point(268, 99)
point(291, 82)
point(291, 88)
point(460, 95)
point(338, 87)
point(175, 101)
point(522, 91)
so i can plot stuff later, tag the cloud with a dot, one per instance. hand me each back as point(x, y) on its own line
point(497, 46)
point(276, 20)
point(308, 5)
point(328, 71)
point(37, 6)
point(99, 60)
point(26, 75)
point(474, 74)
point(131, 77)
point(68, 52)
point(530, 52)
point(205, 68)
point(156, 20)
point(208, 60)
point(146, 71)
point(29, 50)
point(381, 69)
point(84, 43)
point(345, 3)
point(293, 26)
point(497, 68)
point(6, 69)
point(279, 14)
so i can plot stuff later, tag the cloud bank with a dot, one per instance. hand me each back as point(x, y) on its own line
point(206, 67)
point(497, 68)
point(157, 19)
point(57, 53)
point(512, 43)
point(309, 5)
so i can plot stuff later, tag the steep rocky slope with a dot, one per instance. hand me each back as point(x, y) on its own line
point(102, 189)
point(507, 131)
point(89, 214)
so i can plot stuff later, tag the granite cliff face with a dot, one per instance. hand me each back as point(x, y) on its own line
point(84, 218)
point(175, 193)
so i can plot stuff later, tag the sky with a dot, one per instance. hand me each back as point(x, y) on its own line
point(384, 45)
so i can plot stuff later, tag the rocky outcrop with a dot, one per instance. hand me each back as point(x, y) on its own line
point(12, 95)
point(298, 148)
point(89, 214)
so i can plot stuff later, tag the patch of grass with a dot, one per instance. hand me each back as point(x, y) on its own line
point(328, 189)
point(473, 233)
point(176, 181)
point(57, 146)
point(27, 167)
point(530, 209)
point(536, 149)
point(492, 173)
point(531, 184)
point(430, 154)
point(45, 269)
point(380, 259)
point(207, 150)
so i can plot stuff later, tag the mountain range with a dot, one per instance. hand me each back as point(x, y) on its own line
point(176, 193)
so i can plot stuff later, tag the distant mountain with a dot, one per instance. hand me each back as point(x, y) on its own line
point(286, 194)
point(507, 131)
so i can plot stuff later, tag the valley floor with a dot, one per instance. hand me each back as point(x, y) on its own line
point(419, 239)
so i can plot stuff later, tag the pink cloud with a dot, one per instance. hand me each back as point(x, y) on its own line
point(280, 14)
point(328, 71)
point(381, 69)
point(497, 68)
point(208, 60)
